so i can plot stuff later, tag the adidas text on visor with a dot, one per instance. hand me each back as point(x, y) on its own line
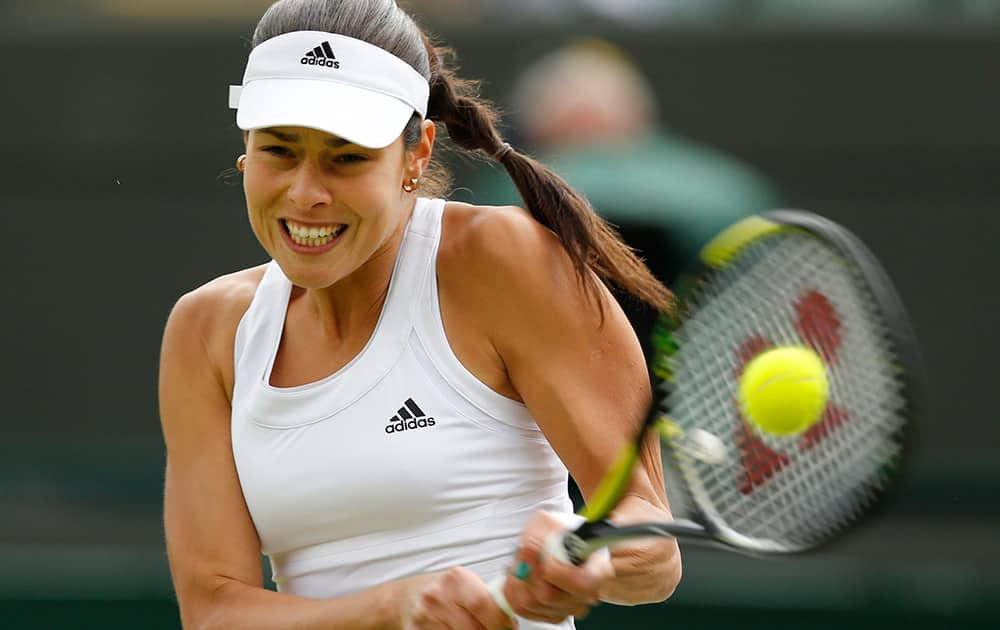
point(337, 84)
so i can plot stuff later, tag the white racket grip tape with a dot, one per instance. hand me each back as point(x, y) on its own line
point(496, 590)
point(553, 547)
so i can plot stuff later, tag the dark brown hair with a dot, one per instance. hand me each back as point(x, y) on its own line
point(593, 245)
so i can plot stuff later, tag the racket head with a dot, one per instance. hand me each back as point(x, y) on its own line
point(786, 278)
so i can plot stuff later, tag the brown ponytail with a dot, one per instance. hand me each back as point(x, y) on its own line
point(592, 243)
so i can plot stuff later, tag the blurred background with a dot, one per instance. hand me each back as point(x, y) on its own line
point(116, 142)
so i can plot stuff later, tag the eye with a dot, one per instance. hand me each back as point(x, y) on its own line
point(351, 158)
point(278, 151)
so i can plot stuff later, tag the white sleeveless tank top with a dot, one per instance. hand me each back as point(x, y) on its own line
point(398, 464)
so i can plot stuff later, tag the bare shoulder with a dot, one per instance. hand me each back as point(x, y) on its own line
point(480, 226)
point(220, 300)
point(500, 244)
point(209, 315)
point(503, 278)
point(501, 268)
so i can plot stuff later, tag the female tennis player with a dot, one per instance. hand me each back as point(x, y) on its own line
point(389, 409)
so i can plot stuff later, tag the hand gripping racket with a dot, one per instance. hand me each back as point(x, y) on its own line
point(783, 279)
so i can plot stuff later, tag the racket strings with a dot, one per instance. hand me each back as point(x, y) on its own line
point(787, 289)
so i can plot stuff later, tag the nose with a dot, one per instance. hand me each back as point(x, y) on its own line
point(308, 188)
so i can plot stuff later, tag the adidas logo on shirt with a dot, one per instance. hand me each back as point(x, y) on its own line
point(321, 55)
point(409, 416)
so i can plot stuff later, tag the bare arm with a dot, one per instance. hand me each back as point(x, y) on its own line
point(212, 545)
point(584, 380)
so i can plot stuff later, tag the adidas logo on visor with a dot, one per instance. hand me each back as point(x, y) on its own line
point(321, 55)
point(409, 417)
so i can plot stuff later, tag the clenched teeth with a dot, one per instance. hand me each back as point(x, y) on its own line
point(312, 236)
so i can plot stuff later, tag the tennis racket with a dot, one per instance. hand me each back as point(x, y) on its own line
point(779, 279)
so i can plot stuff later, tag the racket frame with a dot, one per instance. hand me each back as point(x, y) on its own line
point(705, 525)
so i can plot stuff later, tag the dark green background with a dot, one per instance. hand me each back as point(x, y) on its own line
point(113, 142)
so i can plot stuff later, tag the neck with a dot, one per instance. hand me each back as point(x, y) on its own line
point(353, 305)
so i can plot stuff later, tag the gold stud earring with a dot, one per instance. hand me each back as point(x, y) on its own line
point(241, 163)
point(411, 185)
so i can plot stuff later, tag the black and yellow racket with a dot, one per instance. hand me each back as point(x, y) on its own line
point(785, 383)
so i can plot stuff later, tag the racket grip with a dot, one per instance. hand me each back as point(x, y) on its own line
point(555, 547)
point(495, 587)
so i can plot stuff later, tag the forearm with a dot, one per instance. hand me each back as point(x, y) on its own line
point(238, 605)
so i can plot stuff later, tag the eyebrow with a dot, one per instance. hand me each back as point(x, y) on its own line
point(336, 143)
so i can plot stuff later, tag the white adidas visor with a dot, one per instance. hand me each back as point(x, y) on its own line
point(337, 84)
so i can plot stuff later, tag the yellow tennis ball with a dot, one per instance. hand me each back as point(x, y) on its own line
point(784, 390)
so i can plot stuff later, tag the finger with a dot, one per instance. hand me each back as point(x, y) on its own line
point(537, 600)
point(583, 583)
point(440, 605)
point(536, 592)
point(467, 592)
point(557, 584)
point(490, 619)
point(453, 618)
point(421, 618)
point(533, 537)
point(477, 600)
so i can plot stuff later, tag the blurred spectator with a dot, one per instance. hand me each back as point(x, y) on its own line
point(587, 111)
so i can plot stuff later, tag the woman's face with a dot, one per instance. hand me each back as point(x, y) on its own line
point(321, 206)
